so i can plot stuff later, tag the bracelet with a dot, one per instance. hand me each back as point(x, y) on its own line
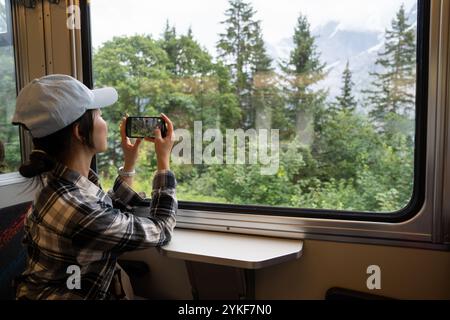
point(125, 173)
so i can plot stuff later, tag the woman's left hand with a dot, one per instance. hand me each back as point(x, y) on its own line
point(130, 151)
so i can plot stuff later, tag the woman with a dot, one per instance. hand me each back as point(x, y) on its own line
point(74, 224)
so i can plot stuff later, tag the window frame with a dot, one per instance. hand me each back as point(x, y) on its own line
point(418, 194)
point(414, 226)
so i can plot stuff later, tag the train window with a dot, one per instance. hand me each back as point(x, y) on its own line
point(5, 25)
point(10, 155)
point(293, 108)
point(3, 28)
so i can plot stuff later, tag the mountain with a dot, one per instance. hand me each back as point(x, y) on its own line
point(338, 45)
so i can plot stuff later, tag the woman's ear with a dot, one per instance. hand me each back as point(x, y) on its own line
point(76, 133)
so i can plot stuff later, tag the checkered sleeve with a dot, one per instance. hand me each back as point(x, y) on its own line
point(123, 196)
point(111, 229)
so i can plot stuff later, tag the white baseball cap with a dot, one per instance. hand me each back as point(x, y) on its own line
point(51, 103)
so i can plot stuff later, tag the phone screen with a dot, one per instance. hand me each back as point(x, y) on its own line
point(143, 127)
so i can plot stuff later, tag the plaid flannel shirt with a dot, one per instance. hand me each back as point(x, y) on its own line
point(75, 223)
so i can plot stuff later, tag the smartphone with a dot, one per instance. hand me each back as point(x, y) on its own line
point(143, 127)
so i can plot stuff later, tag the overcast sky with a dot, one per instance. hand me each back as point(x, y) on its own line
point(2, 21)
point(114, 18)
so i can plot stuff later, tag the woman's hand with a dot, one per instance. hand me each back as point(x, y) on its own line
point(130, 151)
point(163, 146)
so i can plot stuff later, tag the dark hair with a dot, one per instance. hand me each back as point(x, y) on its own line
point(55, 147)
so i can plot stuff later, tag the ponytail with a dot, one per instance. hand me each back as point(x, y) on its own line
point(40, 162)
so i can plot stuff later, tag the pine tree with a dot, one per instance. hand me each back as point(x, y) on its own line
point(301, 71)
point(187, 57)
point(346, 101)
point(264, 91)
point(393, 87)
point(170, 45)
point(241, 48)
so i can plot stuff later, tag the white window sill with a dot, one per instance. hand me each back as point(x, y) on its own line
point(7, 179)
point(233, 250)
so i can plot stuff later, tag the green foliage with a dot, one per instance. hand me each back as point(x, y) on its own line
point(347, 142)
point(301, 72)
point(331, 156)
point(172, 75)
point(186, 57)
point(241, 49)
point(10, 157)
point(346, 101)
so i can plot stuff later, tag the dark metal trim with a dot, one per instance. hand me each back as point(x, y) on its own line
point(30, 4)
point(86, 53)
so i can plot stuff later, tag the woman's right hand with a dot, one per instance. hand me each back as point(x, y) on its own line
point(163, 146)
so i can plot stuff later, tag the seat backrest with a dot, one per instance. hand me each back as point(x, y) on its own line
point(12, 252)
